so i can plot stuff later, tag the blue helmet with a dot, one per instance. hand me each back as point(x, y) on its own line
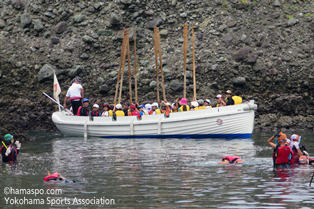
point(85, 100)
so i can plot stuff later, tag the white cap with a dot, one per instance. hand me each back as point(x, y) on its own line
point(96, 106)
point(148, 107)
point(155, 104)
point(208, 101)
point(218, 96)
point(295, 137)
point(167, 103)
point(119, 106)
point(194, 103)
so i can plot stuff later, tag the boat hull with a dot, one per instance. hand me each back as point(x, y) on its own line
point(235, 121)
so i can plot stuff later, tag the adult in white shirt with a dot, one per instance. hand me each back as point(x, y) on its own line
point(75, 93)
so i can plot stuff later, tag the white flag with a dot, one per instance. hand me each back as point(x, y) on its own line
point(56, 89)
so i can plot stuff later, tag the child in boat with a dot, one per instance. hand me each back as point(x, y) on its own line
point(184, 105)
point(133, 110)
point(154, 110)
point(194, 105)
point(107, 111)
point(231, 160)
point(95, 112)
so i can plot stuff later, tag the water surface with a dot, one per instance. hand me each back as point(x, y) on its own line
point(159, 173)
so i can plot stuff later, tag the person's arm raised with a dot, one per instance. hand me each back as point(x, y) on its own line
point(270, 142)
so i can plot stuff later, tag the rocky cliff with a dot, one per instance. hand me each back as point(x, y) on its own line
point(262, 48)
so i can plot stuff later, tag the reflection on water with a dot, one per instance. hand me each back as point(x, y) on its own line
point(167, 173)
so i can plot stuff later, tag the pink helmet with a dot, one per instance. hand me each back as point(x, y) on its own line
point(184, 101)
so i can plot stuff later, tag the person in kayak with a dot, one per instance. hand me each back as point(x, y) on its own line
point(75, 93)
point(282, 152)
point(83, 110)
point(9, 149)
point(231, 160)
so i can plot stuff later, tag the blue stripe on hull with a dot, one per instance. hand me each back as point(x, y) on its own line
point(192, 136)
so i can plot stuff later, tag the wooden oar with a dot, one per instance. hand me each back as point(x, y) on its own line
point(129, 74)
point(161, 70)
point(135, 70)
point(193, 63)
point(185, 46)
point(156, 59)
point(126, 37)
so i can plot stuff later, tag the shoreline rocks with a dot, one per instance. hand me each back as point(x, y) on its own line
point(263, 49)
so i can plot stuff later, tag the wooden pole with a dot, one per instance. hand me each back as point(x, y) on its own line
point(161, 70)
point(185, 46)
point(135, 70)
point(126, 35)
point(193, 63)
point(129, 72)
point(156, 59)
point(119, 71)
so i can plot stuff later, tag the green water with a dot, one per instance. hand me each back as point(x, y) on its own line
point(155, 173)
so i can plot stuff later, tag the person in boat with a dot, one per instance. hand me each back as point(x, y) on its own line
point(125, 109)
point(229, 99)
point(142, 109)
point(175, 106)
point(298, 149)
point(282, 151)
point(194, 105)
point(107, 111)
point(184, 105)
point(118, 110)
point(148, 107)
point(167, 106)
point(133, 110)
point(96, 111)
point(75, 93)
point(155, 110)
point(220, 101)
point(231, 160)
point(83, 110)
point(237, 98)
point(201, 105)
point(9, 149)
point(207, 103)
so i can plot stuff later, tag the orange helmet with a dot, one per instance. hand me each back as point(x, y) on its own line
point(282, 137)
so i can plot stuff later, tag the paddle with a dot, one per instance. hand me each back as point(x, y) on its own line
point(4, 145)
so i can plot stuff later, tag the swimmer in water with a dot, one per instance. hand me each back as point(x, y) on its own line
point(231, 160)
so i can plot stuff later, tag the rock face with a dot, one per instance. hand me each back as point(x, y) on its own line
point(263, 49)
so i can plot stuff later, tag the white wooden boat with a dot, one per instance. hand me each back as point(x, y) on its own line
point(236, 121)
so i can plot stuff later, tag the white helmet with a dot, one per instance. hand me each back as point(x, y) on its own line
point(119, 106)
point(148, 107)
point(155, 104)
